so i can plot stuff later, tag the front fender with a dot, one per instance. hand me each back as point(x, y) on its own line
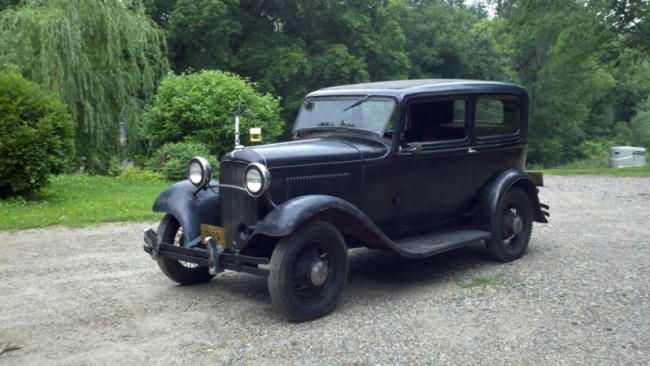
point(287, 217)
point(497, 188)
point(191, 210)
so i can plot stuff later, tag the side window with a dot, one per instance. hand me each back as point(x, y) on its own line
point(496, 116)
point(459, 111)
point(436, 120)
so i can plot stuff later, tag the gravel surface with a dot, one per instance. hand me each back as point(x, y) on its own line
point(581, 295)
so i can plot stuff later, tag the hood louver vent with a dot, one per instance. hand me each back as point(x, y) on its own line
point(337, 185)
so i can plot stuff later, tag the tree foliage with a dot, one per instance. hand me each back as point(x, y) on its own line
point(640, 125)
point(583, 80)
point(290, 48)
point(201, 107)
point(625, 25)
point(196, 40)
point(4, 4)
point(97, 55)
point(585, 63)
point(37, 138)
point(172, 158)
point(447, 41)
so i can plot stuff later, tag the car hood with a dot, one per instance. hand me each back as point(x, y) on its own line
point(317, 150)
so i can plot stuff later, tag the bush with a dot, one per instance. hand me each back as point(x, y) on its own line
point(171, 159)
point(595, 149)
point(116, 166)
point(135, 173)
point(640, 125)
point(37, 138)
point(201, 108)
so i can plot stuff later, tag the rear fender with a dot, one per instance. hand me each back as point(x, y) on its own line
point(190, 209)
point(497, 188)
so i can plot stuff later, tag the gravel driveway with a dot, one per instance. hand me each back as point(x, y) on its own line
point(580, 296)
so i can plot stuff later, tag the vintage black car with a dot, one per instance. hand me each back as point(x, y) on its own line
point(417, 166)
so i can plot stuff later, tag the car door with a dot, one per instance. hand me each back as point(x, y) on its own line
point(434, 162)
point(499, 135)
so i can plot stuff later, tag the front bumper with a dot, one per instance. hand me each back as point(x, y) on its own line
point(215, 257)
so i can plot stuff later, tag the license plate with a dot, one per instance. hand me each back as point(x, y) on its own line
point(216, 232)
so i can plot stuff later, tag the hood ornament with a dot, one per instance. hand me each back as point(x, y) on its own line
point(238, 146)
point(255, 133)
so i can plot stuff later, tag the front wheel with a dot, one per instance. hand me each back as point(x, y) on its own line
point(511, 226)
point(308, 271)
point(185, 273)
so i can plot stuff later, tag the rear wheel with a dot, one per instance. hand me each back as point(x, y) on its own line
point(511, 226)
point(308, 271)
point(185, 273)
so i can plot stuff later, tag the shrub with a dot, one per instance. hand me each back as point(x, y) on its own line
point(37, 138)
point(595, 149)
point(640, 125)
point(171, 159)
point(116, 166)
point(135, 173)
point(201, 108)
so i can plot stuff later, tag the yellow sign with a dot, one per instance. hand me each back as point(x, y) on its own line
point(216, 232)
point(255, 134)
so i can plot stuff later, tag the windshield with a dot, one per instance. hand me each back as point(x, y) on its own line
point(367, 112)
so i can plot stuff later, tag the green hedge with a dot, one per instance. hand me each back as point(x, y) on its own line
point(171, 159)
point(37, 138)
point(201, 108)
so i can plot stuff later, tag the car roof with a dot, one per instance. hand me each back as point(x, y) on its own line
point(403, 88)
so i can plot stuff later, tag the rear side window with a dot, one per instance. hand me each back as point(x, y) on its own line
point(496, 116)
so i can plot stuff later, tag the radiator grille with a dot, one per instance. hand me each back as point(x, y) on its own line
point(237, 206)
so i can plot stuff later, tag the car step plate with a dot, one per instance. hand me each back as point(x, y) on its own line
point(434, 243)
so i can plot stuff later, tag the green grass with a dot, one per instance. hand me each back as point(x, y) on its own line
point(595, 166)
point(81, 199)
point(643, 171)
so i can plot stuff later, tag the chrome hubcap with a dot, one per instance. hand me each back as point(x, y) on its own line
point(512, 224)
point(517, 224)
point(319, 273)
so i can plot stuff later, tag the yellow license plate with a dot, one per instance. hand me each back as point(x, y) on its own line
point(216, 232)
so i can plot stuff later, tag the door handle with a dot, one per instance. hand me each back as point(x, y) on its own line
point(471, 151)
point(414, 148)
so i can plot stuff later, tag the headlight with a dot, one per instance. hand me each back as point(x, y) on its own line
point(256, 179)
point(199, 172)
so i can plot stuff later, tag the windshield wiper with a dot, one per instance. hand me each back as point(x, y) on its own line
point(335, 128)
point(322, 128)
point(358, 102)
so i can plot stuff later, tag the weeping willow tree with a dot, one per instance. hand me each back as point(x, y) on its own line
point(99, 56)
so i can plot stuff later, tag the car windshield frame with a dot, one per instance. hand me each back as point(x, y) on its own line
point(365, 113)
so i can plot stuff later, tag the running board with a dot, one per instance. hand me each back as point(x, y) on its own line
point(434, 243)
